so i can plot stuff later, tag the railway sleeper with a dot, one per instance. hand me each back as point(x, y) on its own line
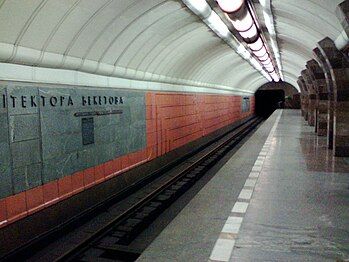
point(125, 232)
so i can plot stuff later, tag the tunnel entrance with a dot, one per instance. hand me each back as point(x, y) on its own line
point(272, 96)
point(267, 101)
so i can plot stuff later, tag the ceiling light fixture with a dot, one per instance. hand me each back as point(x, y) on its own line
point(269, 23)
point(230, 6)
point(202, 9)
point(244, 21)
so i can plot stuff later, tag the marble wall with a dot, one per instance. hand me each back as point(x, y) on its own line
point(41, 136)
point(57, 141)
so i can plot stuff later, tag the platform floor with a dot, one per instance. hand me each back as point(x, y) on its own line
point(281, 197)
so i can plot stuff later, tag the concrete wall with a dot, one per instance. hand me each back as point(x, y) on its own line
point(56, 141)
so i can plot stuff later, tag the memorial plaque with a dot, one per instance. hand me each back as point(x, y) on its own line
point(246, 104)
point(87, 130)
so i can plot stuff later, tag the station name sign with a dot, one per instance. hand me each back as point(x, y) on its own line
point(58, 101)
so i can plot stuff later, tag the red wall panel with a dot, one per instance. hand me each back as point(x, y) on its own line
point(172, 120)
point(176, 119)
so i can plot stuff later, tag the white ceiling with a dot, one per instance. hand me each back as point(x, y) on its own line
point(152, 39)
point(300, 24)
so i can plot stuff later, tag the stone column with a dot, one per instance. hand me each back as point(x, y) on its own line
point(330, 101)
point(311, 97)
point(304, 97)
point(319, 81)
point(338, 65)
point(342, 12)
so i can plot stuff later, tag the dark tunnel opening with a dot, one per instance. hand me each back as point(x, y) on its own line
point(267, 101)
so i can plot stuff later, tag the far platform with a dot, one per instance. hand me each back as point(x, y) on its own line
point(281, 197)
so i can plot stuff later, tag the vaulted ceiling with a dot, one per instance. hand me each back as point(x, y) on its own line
point(153, 40)
point(300, 25)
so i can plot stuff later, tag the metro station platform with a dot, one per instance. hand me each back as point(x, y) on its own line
point(281, 197)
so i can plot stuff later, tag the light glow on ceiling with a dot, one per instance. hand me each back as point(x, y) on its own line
point(245, 22)
point(243, 52)
point(269, 23)
point(266, 62)
point(230, 6)
point(212, 19)
point(263, 58)
point(217, 25)
point(275, 76)
point(256, 45)
point(199, 7)
point(250, 33)
point(263, 2)
point(261, 52)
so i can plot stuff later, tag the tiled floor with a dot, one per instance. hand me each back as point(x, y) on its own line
point(299, 209)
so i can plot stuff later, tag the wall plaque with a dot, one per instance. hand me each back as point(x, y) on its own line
point(87, 130)
point(245, 104)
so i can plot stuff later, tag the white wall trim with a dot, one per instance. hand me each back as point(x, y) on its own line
point(24, 73)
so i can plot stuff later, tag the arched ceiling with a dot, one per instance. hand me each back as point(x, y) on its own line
point(300, 24)
point(153, 40)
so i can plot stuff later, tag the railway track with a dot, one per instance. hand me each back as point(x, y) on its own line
point(110, 241)
point(107, 243)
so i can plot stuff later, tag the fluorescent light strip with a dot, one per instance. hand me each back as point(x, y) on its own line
point(230, 6)
point(269, 23)
point(245, 23)
point(202, 9)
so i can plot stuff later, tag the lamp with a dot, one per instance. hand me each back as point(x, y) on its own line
point(243, 20)
point(230, 6)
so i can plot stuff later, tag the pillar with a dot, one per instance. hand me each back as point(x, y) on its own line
point(319, 81)
point(311, 97)
point(338, 65)
point(330, 96)
point(304, 98)
point(342, 12)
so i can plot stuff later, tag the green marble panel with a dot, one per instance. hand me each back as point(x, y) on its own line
point(45, 130)
point(24, 127)
point(27, 177)
point(5, 154)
